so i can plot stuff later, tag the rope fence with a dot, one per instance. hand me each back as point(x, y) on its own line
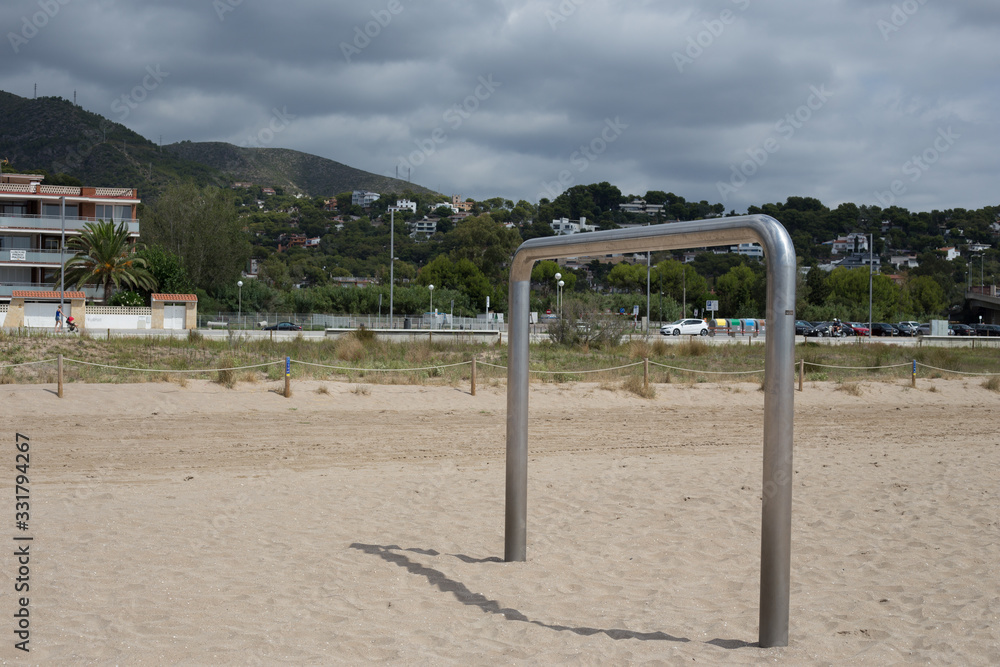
point(288, 361)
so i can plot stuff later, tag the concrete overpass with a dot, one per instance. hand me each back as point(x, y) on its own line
point(984, 300)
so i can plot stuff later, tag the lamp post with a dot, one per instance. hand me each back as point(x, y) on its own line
point(648, 255)
point(558, 277)
point(559, 299)
point(239, 316)
point(430, 288)
point(392, 257)
point(871, 243)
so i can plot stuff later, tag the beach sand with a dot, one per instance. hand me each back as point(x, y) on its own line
point(364, 523)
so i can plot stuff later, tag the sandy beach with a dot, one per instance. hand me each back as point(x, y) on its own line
point(358, 523)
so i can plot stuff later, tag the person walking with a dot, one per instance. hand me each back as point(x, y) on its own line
point(59, 318)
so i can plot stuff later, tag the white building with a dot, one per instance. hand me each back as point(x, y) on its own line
point(854, 242)
point(31, 216)
point(364, 198)
point(404, 205)
point(748, 249)
point(640, 206)
point(425, 226)
point(565, 226)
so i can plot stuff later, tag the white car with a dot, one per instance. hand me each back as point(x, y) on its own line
point(688, 326)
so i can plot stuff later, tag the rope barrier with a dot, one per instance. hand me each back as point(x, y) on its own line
point(384, 370)
point(483, 363)
point(945, 370)
point(29, 363)
point(857, 368)
point(567, 372)
point(167, 370)
point(691, 370)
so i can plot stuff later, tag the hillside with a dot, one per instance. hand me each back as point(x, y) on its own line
point(55, 135)
point(289, 169)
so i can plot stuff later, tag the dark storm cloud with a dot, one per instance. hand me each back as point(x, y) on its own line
point(739, 101)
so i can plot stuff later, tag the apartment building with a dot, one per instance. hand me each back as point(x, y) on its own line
point(31, 228)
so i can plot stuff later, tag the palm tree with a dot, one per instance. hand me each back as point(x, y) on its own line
point(105, 256)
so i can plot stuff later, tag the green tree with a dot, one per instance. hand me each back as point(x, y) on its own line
point(200, 226)
point(105, 256)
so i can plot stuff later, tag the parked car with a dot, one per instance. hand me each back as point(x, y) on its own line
point(884, 329)
point(912, 324)
point(924, 329)
point(801, 327)
point(960, 330)
point(906, 329)
point(686, 326)
point(283, 326)
point(859, 328)
point(987, 329)
point(825, 330)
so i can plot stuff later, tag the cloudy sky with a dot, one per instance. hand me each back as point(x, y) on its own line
point(736, 101)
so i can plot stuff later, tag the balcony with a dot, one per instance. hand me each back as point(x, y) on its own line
point(49, 224)
point(28, 257)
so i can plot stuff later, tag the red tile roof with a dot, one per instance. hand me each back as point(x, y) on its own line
point(29, 294)
point(174, 297)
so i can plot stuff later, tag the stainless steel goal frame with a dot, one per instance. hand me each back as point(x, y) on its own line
point(776, 511)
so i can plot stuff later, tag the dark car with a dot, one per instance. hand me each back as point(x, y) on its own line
point(961, 330)
point(826, 330)
point(906, 329)
point(884, 329)
point(283, 326)
point(987, 329)
point(801, 327)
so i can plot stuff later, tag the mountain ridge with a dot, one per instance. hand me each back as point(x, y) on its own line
point(57, 136)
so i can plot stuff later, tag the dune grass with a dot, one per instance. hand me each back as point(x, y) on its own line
point(363, 357)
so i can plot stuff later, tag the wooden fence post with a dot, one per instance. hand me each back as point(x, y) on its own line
point(288, 377)
point(473, 376)
point(802, 372)
point(645, 373)
point(59, 365)
point(913, 377)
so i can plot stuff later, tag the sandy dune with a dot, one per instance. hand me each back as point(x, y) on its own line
point(202, 525)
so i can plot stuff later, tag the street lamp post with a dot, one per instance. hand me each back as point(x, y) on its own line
point(648, 255)
point(392, 257)
point(430, 288)
point(559, 299)
point(558, 278)
point(239, 315)
point(871, 243)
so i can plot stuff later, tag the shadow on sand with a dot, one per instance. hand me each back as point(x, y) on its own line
point(392, 554)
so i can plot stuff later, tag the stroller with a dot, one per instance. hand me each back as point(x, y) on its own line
point(71, 325)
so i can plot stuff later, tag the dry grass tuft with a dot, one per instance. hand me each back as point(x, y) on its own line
point(852, 388)
point(659, 348)
point(349, 348)
point(607, 386)
point(692, 348)
point(226, 375)
point(993, 384)
point(635, 385)
point(322, 389)
point(361, 390)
